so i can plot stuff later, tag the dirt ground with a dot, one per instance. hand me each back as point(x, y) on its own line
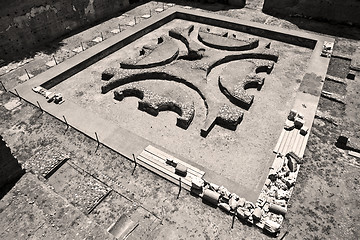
point(325, 202)
point(222, 150)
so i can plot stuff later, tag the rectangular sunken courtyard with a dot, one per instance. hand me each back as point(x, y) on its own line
point(213, 91)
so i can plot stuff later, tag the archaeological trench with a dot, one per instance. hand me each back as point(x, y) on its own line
point(218, 108)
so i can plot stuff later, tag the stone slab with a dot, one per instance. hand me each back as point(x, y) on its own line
point(355, 61)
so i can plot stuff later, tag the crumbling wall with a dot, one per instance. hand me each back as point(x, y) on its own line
point(10, 169)
point(27, 24)
point(344, 11)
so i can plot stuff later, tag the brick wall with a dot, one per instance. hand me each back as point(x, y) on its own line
point(27, 24)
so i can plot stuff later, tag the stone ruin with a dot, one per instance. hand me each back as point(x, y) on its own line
point(164, 61)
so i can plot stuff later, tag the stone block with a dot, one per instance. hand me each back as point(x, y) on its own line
point(211, 197)
point(271, 226)
point(292, 164)
point(225, 207)
point(292, 115)
point(299, 122)
point(181, 170)
point(257, 214)
point(304, 130)
point(277, 209)
point(197, 183)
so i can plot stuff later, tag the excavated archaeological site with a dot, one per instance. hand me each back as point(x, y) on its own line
point(179, 120)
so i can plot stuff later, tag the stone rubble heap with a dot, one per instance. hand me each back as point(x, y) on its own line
point(269, 210)
point(50, 96)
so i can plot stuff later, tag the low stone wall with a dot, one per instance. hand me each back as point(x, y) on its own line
point(26, 25)
point(345, 11)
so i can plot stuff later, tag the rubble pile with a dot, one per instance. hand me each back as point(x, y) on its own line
point(271, 207)
point(276, 191)
point(296, 120)
point(50, 96)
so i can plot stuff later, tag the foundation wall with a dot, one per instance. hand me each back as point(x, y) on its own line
point(344, 11)
point(10, 169)
point(28, 24)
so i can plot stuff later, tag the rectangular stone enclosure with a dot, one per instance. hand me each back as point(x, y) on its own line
point(229, 85)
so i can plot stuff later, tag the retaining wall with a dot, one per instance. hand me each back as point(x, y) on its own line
point(28, 24)
point(10, 169)
point(340, 11)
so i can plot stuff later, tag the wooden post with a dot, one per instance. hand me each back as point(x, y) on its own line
point(55, 60)
point(162, 215)
point(98, 142)
point(3, 86)
point(40, 107)
point(179, 188)
point(233, 220)
point(102, 37)
point(82, 46)
point(286, 233)
point(17, 94)
point(67, 125)
point(27, 73)
point(134, 165)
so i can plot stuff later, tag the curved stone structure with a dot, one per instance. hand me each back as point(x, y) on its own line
point(227, 117)
point(161, 54)
point(229, 43)
point(195, 51)
point(265, 55)
point(153, 103)
point(140, 76)
point(237, 94)
point(196, 68)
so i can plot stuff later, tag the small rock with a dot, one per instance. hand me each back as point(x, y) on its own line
point(249, 205)
point(225, 207)
point(214, 186)
point(271, 226)
point(197, 182)
point(292, 164)
point(281, 194)
point(304, 130)
point(240, 214)
point(233, 203)
point(289, 125)
point(257, 214)
point(241, 202)
point(267, 182)
point(277, 209)
point(224, 192)
point(299, 122)
point(290, 182)
point(292, 114)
